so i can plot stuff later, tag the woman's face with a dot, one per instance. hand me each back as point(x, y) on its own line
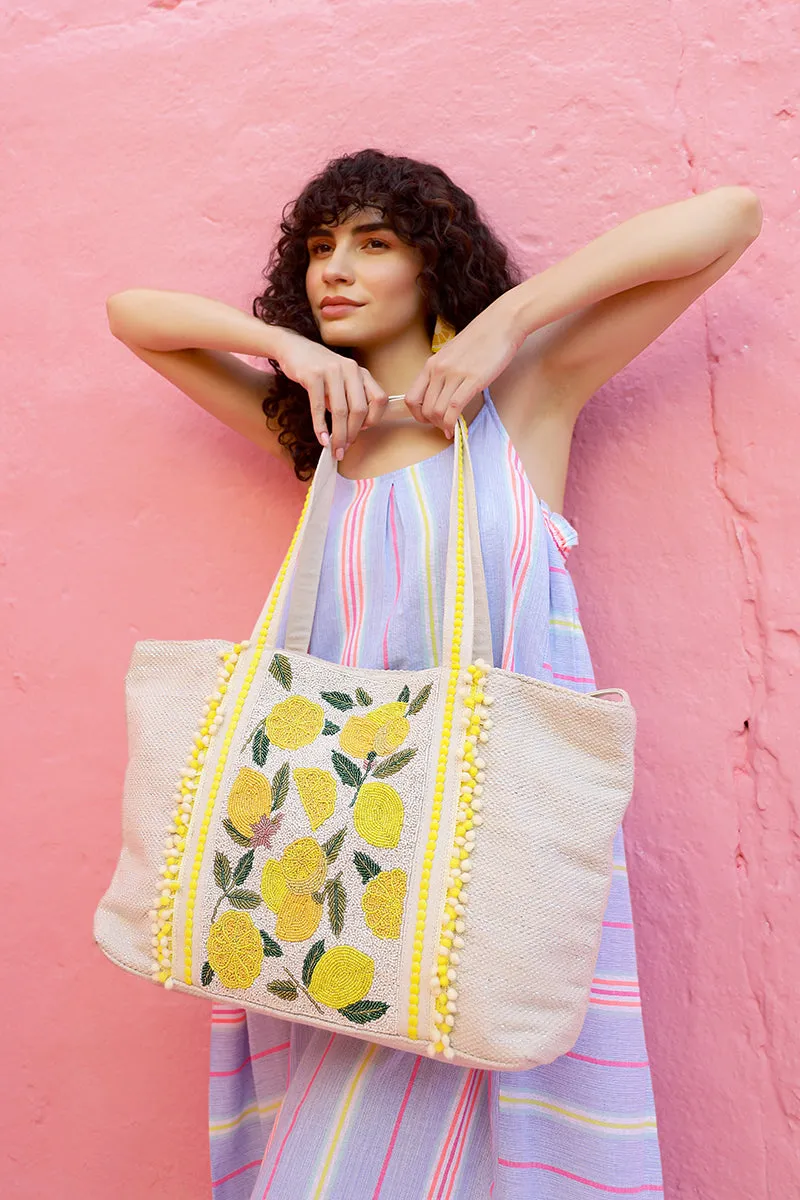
point(364, 261)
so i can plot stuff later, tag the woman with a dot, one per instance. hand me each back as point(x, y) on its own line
point(378, 255)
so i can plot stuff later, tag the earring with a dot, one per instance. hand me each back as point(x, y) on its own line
point(442, 333)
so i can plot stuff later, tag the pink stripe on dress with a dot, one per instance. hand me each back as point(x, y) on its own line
point(463, 1134)
point(614, 1191)
point(396, 1129)
point(396, 552)
point(522, 547)
point(295, 1115)
point(352, 576)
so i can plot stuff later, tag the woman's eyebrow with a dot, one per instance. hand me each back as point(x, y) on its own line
point(371, 227)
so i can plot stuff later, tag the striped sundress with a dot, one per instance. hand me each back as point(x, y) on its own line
point(301, 1114)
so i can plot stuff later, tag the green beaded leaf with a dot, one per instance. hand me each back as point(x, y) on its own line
point(363, 697)
point(329, 728)
point(206, 974)
point(394, 763)
point(312, 958)
point(233, 833)
point(271, 949)
point(347, 770)
point(282, 989)
point(280, 787)
point(242, 898)
point(333, 846)
point(281, 669)
point(418, 703)
point(243, 867)
point(337, 902)
point(260, 747)
point(222, 871)
point(405, 695)
point(364, 1011)
point(366, 866)
point(339, 700)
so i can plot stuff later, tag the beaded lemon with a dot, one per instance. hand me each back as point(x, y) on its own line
point(381, 731)
point(342, 976)
point(294, 723)
point(317, 790)
point(378, 814)
point(383, 901)
point(235, 949)
point(250, 799)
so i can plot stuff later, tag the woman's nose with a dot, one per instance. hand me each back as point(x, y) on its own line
point(337, 269)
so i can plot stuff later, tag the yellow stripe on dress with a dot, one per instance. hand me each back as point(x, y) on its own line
point(426, 525)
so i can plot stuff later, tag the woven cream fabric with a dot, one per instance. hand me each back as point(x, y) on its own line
point(165, 687)
point(471, 929)
point(541, 869)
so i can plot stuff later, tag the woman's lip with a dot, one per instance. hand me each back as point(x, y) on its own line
point(338, 310)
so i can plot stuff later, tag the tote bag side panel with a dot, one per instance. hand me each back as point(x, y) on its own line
point(559, 775)
point(166, 686)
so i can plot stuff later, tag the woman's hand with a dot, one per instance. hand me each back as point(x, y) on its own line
point(465, 365)
point(332, 381)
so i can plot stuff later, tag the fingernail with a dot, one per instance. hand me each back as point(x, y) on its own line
point(325, 439)
point(340, 454)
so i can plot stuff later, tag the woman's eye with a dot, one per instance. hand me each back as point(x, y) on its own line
point(378, 242)
point(315, 249)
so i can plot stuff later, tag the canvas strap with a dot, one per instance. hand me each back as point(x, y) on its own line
point(303, 570)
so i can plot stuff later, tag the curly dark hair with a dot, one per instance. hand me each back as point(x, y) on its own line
point(466, 267)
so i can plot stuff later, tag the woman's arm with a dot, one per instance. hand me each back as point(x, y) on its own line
point(193, 342)
point(580, 321)
point(669, 242)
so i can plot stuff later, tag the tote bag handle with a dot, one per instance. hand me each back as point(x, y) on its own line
point(297, 583)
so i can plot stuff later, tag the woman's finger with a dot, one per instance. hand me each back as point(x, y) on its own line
point(456, 404)
point(377, 399)
point(416, 393)
point(315, 386)
point(356, 400)
point(430, 400)
point(337, 403)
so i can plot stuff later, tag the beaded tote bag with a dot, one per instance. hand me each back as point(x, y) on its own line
point(418, 858)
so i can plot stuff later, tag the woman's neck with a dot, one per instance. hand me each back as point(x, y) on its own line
point(396, 364)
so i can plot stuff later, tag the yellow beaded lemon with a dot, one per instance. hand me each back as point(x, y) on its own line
point(388, 712)
point(357, 736)
point(298, 918)
point(383, 901)
point(304, 866)
point(235, 950)
point(378, 814)
point(294, 722)
point(274, 888)
point(391, 736)
point(250, 799)
point(342, 976)
point(317, 790)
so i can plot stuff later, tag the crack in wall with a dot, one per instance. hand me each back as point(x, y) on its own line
point(755, 756)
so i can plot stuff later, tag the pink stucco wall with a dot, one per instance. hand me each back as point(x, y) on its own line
point(153, 144)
